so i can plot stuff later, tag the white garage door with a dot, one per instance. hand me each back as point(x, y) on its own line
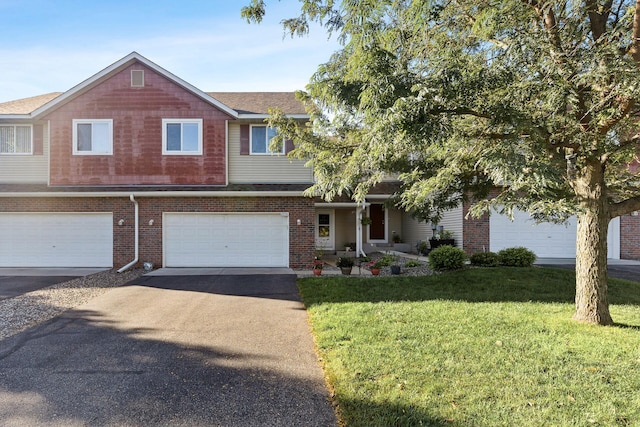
point(547, 240)
point(226, 239)
point(56, 239)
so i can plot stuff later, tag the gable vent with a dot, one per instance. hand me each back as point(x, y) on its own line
point(137, 78)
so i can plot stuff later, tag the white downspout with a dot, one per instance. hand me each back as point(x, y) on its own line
point(132, 263)
point(359, 248)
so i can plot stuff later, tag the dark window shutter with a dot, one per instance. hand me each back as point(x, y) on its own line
point(288, 146)
point(244, 139)
point(38, 140)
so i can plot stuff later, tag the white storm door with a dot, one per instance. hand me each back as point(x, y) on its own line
point(325, 230)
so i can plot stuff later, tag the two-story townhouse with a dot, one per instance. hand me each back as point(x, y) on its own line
point(134, 164)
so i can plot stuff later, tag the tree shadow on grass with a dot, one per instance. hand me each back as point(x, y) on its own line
point(372, 414)
point(535, 284)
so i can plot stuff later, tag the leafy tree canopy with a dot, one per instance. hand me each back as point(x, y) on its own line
point(536, 98)
point(459, 96)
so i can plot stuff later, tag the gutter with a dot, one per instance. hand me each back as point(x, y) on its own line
point(154, 194)
point(132, 263)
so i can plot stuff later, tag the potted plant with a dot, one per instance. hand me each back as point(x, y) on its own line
point(365, 220)
point(423, 247)
point(395, 266)
point(444, 238)
point(317, 267)
point(345, 264)
point(374, 267)
point(396, 238)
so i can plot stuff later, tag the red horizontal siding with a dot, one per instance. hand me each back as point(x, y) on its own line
point(137, 115)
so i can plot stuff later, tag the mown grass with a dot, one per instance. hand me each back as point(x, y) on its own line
point(479, 347)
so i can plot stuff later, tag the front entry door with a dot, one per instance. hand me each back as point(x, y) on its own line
point(325, 235)
point(377, 226)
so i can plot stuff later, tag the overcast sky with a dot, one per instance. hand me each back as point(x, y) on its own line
point(50, 46)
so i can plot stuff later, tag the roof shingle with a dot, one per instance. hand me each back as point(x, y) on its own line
point(260, 102)
point(27, 105)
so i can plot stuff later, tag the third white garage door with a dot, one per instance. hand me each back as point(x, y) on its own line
point(226, 239)
point(547, 240)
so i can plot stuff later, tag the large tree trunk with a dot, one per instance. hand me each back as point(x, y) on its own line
point(592, 304)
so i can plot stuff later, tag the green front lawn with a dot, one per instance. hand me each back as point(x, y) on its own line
point(479, 347)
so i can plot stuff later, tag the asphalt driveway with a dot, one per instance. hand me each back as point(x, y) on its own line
point(18, 281)
point(619, 269)
point(181, 351)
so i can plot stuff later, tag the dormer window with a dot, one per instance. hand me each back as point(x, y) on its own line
point(16, 139)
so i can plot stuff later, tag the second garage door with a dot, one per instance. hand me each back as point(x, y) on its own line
point(546, 240)
point(226, 239)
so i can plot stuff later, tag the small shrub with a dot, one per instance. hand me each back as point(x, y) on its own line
point(386, 261)
point(423, 247)
point(485, 259)
point(345, 262)
point(447, 258)
point(412, 263)
point(516, 257)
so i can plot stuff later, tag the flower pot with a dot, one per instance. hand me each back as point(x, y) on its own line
point(395, 269)
point(375, 271)
point(436, 243)
point(346, 270)
point(317, 271)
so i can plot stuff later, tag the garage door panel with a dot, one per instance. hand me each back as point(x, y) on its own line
point(546, 240)
point(56, 240)
point(226, 240)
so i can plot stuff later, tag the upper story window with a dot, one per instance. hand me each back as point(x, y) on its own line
point(93, 136)
point(260, 137)
point(182, 136)
point(16, 139)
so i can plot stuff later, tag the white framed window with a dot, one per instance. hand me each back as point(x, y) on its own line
point(260, 136)
point(16, 139)
point(93, 136)
point(182, 136)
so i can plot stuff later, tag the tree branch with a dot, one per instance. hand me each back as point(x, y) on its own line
point(635, 41)
point(625, 207)
point(598, 19)
point(550, 23)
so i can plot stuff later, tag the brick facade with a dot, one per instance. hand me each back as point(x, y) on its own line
point(301, 237)
point(137, 114)
point(630, 237)
point(475, 232)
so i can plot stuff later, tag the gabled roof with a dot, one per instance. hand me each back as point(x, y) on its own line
point(116, 67)
point(258, 103)
point(236, 104)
